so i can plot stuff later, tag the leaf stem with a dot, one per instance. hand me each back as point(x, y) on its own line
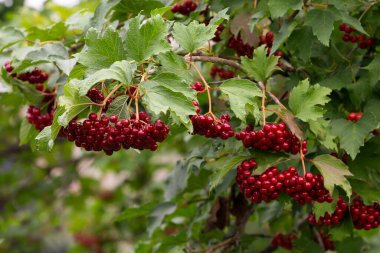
point(302, 157)
point(369, 6)
point(263, 104)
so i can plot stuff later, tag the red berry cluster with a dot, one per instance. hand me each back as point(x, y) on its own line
point(364, 216)
point(269, 185)
point(197, 107)
point(331, 220)
point(37, 76)
point(97, 96)
point(284, 241)
point(184, 8)
point(328, 244)
point(38, 119)
point(242, 49)
point(360, 39)
point(354, 116)
point(111, 134)
point(224, 74)
point(197, 86)
point(211, 128)
point(267, 39)
point(272, 137)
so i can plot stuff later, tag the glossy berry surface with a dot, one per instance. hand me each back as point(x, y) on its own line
point(224, 74)
point(284, 241)
point(210, 128)
point(111, 134)
point(349, 36)
point(364, 216)
point(97, 96)
point(242, 49)
point(197, 86)
point(34, 77)
point(184, 8)
point(38, 119)
point(272, 137)
point(354, 116)
point(331, 220)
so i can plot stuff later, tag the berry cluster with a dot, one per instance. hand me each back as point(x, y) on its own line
point(269, 185)
point(364, 216)
point(197, 86)
point(273, 137)
point(197, 107)
point(184, 8)
point(331, 220)
point(267, 39)
point(224, 74)
point(353, 38)
point(37, 76)
point(38, 119)
point(242, 49)
point(97, 96)
point(284, 241)
point(354, 116)
point(211, 128)
point(111, 134)
point(328, 244)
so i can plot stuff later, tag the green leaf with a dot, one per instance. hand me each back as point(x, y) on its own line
point(219, 17)
point(119, 107)
point(266, 160)
point(160, 99)
point(98, 20)
point(175, 64)
point(225, 164)
point(322, 23)
point(53, 32)
point(194, 35)
point(135, 212)
point(284, 33)
point(146, 39)
point(305, 101)
point(102, 49)
point(352, 134)
point(256, 18)
point(121, 71)
point(72, 103)
point(242, 94)
point(342, 231)
point(158, 214)
point(367, 192)
point(79, 21)
point(320, 209)
point(301, 42)
point(174, 83)
point(334, 172)
point(260, 66)
point(338, 80)
point(322, 130)
point(373, 70)
point(27, 132)
point(278, 8)
point(126, 7)
point(44, 140)
point(9, 36)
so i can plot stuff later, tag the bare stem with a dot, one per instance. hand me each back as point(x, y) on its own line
point(369, 6)
point(302, 157)
point(214, 59)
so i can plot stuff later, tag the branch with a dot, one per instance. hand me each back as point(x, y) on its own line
point(235, 238)
point(214, 59)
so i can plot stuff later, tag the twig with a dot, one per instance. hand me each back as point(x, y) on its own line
point(214, 59)
point(319, 238)
point(369, 6)
point(235, 238)
point(263, 102)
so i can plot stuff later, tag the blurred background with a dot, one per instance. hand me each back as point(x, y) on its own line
point(67, 200)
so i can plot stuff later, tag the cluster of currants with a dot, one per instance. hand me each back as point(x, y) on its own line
point(97, 96)
point(212, 128)
point(37, 76)
point(272, 137)
point(111, 134)
point(360, 39)
point(270, 184)
point(283, 240)
point(184, 8)
point(364, 216)
point(267, 39)
point(224, 74)
point(242, 49)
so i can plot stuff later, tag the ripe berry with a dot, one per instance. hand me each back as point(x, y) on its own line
point(283, 241)
point(242, 49)
point(273, 137)
point(197, 86)
point(210, 128)
point(364, 216)
point(185, 8)
point(354, 117)
point(222, 73)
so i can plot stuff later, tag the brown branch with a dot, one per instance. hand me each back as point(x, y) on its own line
point(235, 238)
point(214, 59)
